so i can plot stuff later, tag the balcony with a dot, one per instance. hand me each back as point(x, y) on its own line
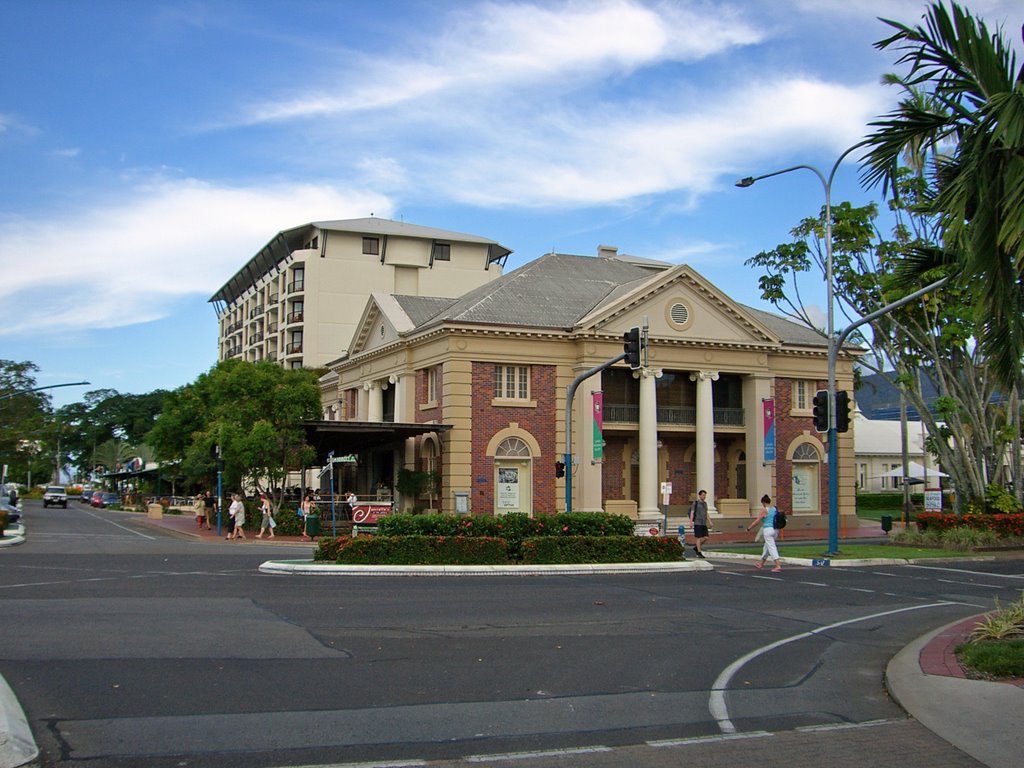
point(296, 287)
point(233, 327)
point(293, 348)
point(672, 416)
point(294, 317)
point(273, 298)
point(256, 311)
point(272, 327)
point(233, 351)
point(256, 338)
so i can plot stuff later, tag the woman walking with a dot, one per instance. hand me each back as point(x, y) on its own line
point(767, 519)
point(307, 510)
point(267, 524)
point(237, 513)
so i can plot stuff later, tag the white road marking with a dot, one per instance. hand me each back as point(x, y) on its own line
point(540, 753)
point(710, 739)
point(716, 703)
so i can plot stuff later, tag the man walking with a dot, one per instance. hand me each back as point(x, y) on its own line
point(699, 521)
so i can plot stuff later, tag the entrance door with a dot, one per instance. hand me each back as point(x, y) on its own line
point(513, 478)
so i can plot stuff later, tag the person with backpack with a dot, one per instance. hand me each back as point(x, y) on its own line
point(699, 522)
point(766, 516)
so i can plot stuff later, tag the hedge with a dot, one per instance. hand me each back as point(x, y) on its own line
point(417, 549)
point(1001, 525)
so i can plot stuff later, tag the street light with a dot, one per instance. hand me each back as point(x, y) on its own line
point(39, 389)
point(833, 479)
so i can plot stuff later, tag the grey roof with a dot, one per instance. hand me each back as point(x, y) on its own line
point(557, 290)
point(788, 330)
point(288, 240)
point(554, 291)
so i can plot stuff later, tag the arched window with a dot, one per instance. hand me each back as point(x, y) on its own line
point(512, 448)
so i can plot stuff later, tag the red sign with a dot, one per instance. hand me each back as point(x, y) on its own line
point(654, 531)
point(368, 513)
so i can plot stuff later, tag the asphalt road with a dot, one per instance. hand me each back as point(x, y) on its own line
point(129, 647)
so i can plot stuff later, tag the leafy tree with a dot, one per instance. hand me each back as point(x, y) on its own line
point(253, 412)
point(23, 419)
point(928, 340)
point(962, 122)
point(105, 415)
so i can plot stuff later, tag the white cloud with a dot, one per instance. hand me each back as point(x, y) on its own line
point(491, 47)
point(128, 262)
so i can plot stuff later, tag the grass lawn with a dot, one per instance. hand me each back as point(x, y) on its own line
point(850, 551)
point(994, 658)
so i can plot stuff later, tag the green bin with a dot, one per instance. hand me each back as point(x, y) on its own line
point(886, 523)
point(312, 525)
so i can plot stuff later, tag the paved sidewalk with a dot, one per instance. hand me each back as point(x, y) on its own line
point(979, 717)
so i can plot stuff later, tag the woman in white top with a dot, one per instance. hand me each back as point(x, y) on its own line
point(237, 512)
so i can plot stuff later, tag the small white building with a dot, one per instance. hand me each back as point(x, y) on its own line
point(878, 450)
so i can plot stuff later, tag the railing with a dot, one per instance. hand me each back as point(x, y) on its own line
point(294, 317)
point(256, 311)
point(272, 327)
point(233, 352)
point(296, 286)
point(293, 348)
point(273, 298)
point(672, 415)
point(256, 338)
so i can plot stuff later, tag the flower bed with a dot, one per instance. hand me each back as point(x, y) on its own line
point(1002, 525)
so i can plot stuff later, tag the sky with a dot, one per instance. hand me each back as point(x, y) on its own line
point(149, 149)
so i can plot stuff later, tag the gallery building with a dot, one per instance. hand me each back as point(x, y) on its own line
point(475, 388)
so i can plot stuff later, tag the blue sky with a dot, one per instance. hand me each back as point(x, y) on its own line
point(149, 149)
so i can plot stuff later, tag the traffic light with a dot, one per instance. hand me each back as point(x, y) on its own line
point(843, 408)
point(559, 469)
point(631, 346)
point(821, 410)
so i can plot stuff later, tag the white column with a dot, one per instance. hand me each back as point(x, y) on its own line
point(375, 404)
point(648, 496)
point(705, 434)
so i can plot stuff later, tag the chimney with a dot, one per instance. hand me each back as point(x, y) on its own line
point(608, 251)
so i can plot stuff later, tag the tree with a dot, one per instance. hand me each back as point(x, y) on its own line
point(962, 122)
point(932, 339)
point(23, 418)
point(104, 415)
point(253, 411)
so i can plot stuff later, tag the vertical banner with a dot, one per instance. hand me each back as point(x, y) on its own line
point(598, 425)
point(768, 406)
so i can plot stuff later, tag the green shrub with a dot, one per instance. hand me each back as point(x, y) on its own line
point(887, 500)
point(419, 550)
point(600, 549)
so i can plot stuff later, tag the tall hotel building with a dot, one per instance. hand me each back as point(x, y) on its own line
point(298, 301)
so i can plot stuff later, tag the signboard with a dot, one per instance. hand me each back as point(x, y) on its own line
point(368, 513)
point(666, 492)
point(933, 501)
point(349, 459)
point(508, 487)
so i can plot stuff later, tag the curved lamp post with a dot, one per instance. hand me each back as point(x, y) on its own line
point(833, 479)
point(39, 389)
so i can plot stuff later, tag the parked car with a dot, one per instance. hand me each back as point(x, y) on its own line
point(108, 499)
point(55, 495)
point(87, 494)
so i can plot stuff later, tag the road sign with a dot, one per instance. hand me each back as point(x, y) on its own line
point(349, 459)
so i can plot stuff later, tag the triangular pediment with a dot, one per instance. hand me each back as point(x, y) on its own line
point(680, 306)
point(382, 323)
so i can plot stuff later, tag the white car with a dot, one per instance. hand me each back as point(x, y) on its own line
point(56, 495)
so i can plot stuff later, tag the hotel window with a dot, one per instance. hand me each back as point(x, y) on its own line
point(441, 252)
point(371, 246)
point(512, 382)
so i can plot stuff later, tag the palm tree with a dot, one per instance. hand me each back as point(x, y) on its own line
point(963, 113)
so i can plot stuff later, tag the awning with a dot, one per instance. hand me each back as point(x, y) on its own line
point(915, 473)
point(345, 437)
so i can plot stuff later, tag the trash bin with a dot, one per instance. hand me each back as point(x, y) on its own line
point(312, 525)
point(886, 523)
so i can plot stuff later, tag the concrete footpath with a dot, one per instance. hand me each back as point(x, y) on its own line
point(980, 718)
